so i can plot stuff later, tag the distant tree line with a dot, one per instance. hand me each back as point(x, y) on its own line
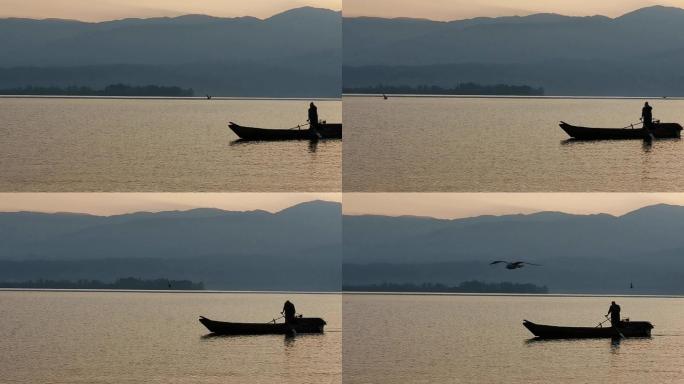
point(473, 286)
point(460, 89)
point(124, 283)
point(110, 90)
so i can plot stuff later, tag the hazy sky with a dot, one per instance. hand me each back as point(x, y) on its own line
point(464, 9)
point(118, 203)
point(458, 205)
point(99, 10)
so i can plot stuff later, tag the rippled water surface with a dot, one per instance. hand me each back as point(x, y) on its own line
point(143, 337)
point(160, 145)
point(480, 339)
point(503, 144)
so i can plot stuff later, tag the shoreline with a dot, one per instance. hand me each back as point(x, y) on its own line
point(360, 293)
point(197, 98)
point(210, 291)
point(560, 295)
point(547, 97)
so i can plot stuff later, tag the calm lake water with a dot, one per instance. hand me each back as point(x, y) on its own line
point(145, 337)
point(167, 145)
point(480, 339)
point(503, 144)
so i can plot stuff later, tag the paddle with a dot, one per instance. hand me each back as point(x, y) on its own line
point(619, 333)
point(633, 124)
point(600, 325)
point(299, 126)
point(616, 329)
point(274, 320)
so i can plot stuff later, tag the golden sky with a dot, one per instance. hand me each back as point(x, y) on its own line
point(100, 10)
point(465, 9)
point(118, 203)
point(459, 205)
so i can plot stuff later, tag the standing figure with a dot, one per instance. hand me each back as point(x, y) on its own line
point(313, 116)
point(647, 115)
point(614, 312)
point(289, 312)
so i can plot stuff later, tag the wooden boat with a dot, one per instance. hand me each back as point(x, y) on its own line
point(324, 131)
point(301, 325)
point(658, 130)
point(627, 329)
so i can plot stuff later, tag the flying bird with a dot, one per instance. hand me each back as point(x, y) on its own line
point(514, 264)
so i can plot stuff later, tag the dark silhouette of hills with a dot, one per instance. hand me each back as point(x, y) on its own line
point(123, 283)
point(296, 249)
point(465, 287)
point(460, 89)
point(579, 253)
point(110, 90)
point(295, 53)
point(639, 53)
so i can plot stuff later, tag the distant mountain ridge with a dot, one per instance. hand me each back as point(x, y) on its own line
point(296, 248)
point(579, 253)
point(639, 53)
point(244, 56)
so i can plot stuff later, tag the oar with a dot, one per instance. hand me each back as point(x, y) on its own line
point(274, 320)
point(616, 329)
point(633, 124)
point(299, 126)
point(601, 323)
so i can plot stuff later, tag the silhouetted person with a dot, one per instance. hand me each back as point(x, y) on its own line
point(614, 312)
point(313, 116)
point(289, 312)
point(647, 115)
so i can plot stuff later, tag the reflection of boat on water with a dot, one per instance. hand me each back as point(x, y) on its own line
point(626, 329)
point(323, 131)
point(658, 130)
point(300, 325)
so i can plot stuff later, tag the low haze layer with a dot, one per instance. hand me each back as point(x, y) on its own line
point(636, 253)
point(564, 55)
point(242, 57)
point(245, 250)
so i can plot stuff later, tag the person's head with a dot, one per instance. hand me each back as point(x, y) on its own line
point(612, 303)
point(646, 104)
point(311, 104)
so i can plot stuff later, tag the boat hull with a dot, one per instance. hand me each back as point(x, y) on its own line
point(301, 325)
point(659, 131)
point(324, 131)
point(627, 329)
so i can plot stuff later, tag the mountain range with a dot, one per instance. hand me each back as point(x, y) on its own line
point(294, 53)
point(639, 53)
point(298, 248)
point(580, 253)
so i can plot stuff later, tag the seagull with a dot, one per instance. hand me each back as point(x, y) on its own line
point(514, 264)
